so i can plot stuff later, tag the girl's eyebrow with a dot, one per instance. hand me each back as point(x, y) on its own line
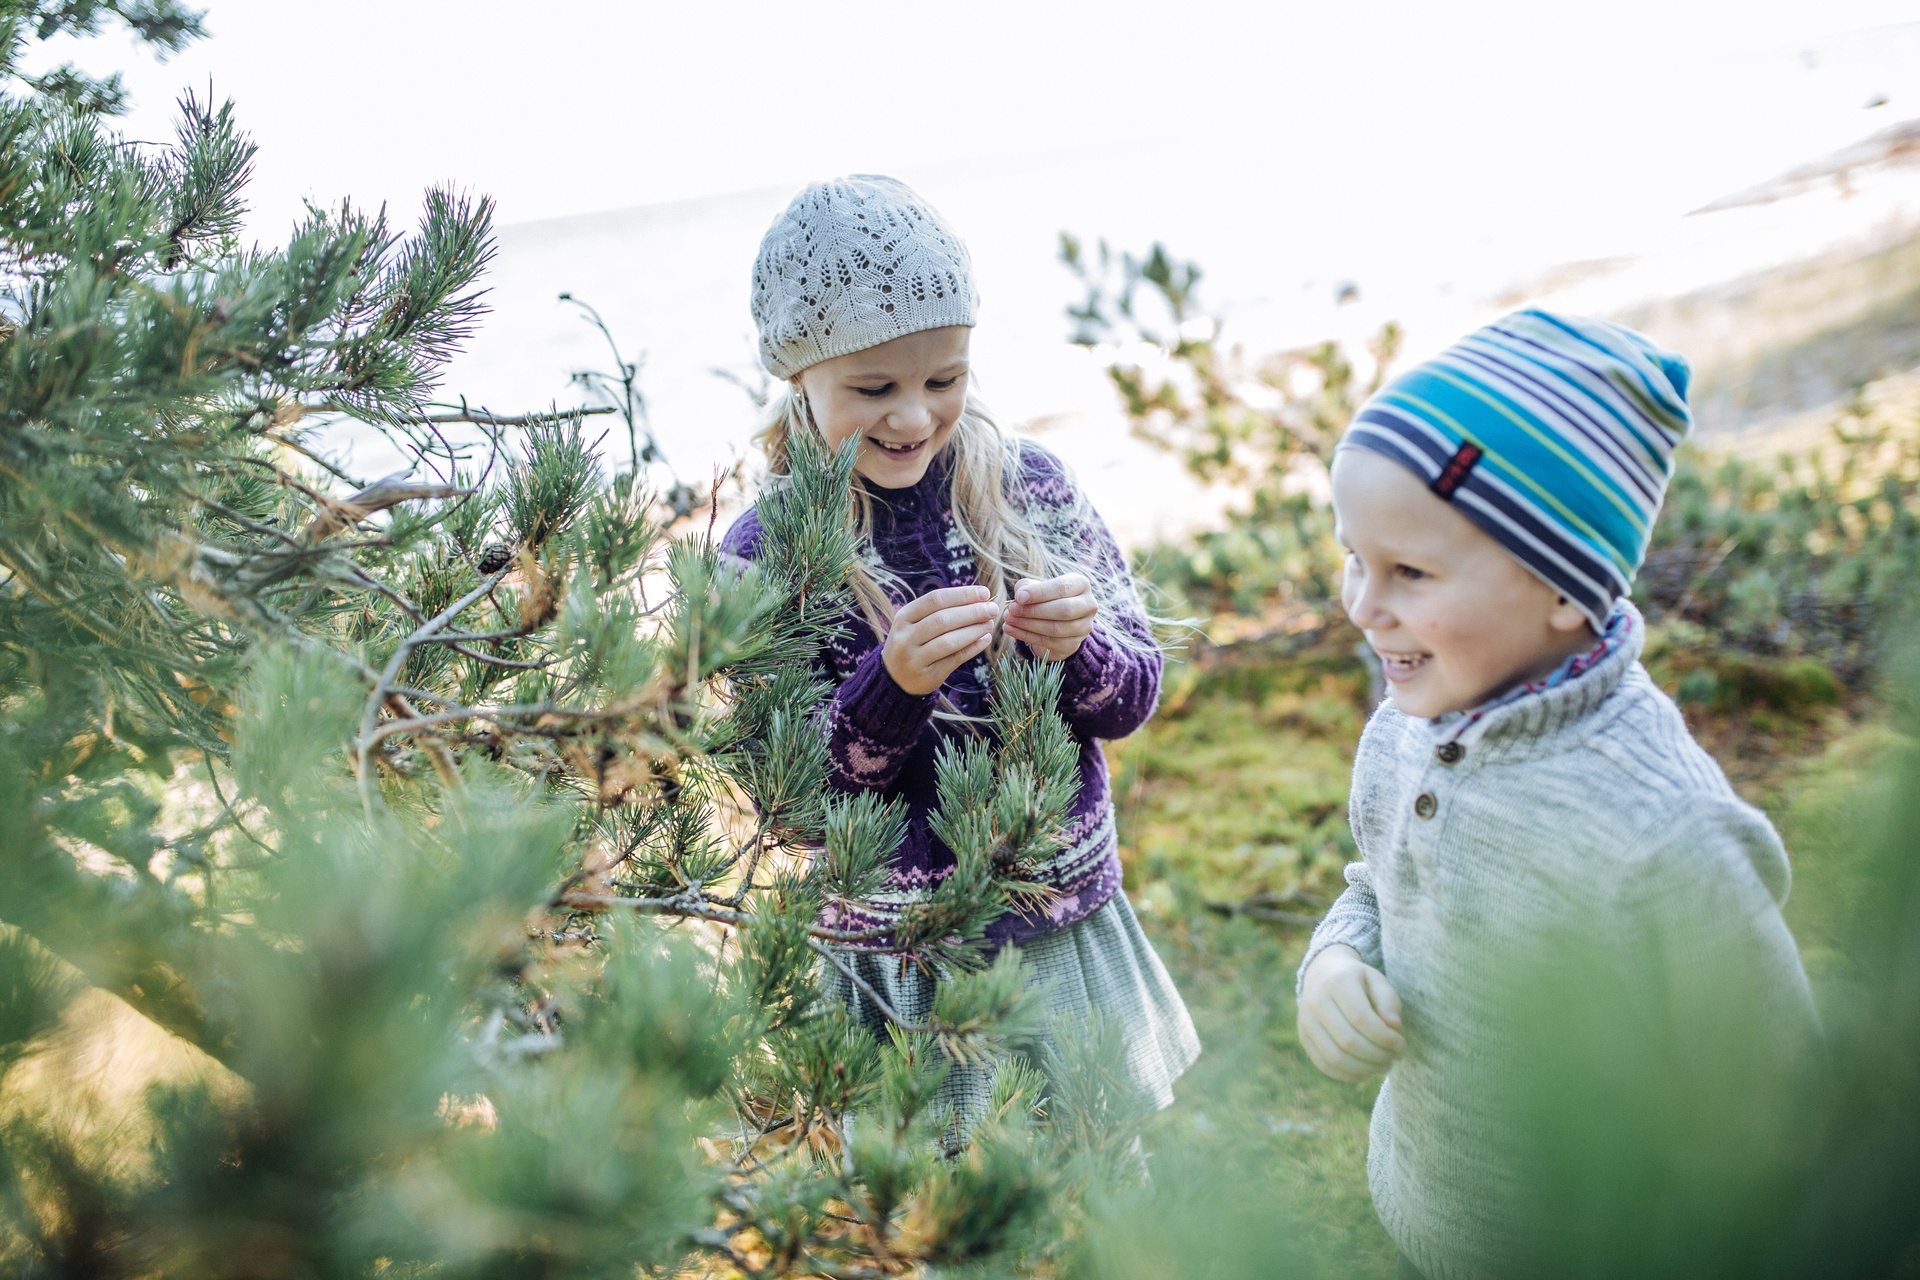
point(946, 370)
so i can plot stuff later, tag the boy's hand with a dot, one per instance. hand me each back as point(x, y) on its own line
point(933, 636)
point(1349, 1016)
point(1052, 617)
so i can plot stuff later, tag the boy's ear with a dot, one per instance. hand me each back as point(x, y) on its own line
point(1567, 617)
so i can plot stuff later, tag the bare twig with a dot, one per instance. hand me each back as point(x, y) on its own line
point(879, 1002)
point(383, 686)
point(389, 491)
point(233, 813)
point(633, 406)
point(1266, 905)
point(301, 449)
point(483, 418)
point(700, 908)
point(1700, 578)
point(511, 664)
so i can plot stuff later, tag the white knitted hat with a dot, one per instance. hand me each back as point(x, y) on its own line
point(851, 264)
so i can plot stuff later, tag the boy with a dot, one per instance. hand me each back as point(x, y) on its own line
point(1526, 792)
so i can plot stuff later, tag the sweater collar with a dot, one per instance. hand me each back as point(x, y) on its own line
point(924, 497)
point(1569, 693)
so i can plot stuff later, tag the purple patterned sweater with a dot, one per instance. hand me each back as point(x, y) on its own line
point(885, 739)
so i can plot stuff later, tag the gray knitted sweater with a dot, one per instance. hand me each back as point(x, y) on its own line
point(1584, 811)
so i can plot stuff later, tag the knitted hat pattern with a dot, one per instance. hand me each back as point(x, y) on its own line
point(1554, 434)
point(853, 263)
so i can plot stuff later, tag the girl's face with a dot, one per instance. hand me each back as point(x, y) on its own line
point(1453, 617)
point(901, 399)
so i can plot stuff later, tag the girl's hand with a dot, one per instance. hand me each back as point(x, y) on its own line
point(1052, 617)
point(937, 634)
point(1349, 1016)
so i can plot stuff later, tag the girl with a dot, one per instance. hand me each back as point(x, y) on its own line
point(864, 301)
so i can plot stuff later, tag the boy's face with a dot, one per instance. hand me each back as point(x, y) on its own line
point(902, 398)
point(1454, 618)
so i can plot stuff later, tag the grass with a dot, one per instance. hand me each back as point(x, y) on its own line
point(1239, 788)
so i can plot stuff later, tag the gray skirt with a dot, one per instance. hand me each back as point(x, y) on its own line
point(1103, 964)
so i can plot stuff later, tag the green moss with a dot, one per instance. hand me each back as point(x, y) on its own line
point(1240, 787)
point(1728, 681)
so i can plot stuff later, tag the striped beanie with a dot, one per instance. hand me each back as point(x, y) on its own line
point(1555, 434)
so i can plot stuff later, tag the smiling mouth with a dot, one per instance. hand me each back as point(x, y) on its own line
point(897, 450)
point(1402, 666)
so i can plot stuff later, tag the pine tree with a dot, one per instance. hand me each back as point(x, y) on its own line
point(467, 828)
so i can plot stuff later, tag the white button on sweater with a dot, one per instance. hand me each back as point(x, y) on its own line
point(1585, 815)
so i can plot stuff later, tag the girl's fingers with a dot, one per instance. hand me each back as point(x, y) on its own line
point(952, 643)
point(1059, 630)
point(1029, 591)
point(934, 625)
point(1075, 606)
point(1050, 647)
point(922, 607)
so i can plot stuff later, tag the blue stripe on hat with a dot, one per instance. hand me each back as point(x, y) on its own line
point(1600, 389)
point(1576, 421)
point(1528, 463)
point(1514, 378)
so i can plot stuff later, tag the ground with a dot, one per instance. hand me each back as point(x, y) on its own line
point(1238, 788)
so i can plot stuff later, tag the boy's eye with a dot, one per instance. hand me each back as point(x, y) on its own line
point(874, 393)
point(1410, 573)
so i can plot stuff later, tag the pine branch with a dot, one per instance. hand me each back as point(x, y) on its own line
point(484, 417)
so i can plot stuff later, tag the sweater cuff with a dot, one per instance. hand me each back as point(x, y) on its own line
point(1094, 674)
point(1362, 934)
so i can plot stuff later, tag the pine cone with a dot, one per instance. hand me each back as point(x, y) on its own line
point(494, 557)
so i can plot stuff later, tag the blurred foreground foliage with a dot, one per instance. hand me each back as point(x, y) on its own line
point(422, 874)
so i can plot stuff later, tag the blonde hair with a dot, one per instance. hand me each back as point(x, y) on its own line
point(1010, 542)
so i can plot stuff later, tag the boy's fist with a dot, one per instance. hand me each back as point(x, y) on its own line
point(1349, 1016)
point(933, 636)
point(1052, 617)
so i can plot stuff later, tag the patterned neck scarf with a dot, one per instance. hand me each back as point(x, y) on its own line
point(1452, 726)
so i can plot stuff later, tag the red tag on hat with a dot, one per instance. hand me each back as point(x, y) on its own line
point(1458, 467)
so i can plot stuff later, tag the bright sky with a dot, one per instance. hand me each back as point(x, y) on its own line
point(584, 105)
